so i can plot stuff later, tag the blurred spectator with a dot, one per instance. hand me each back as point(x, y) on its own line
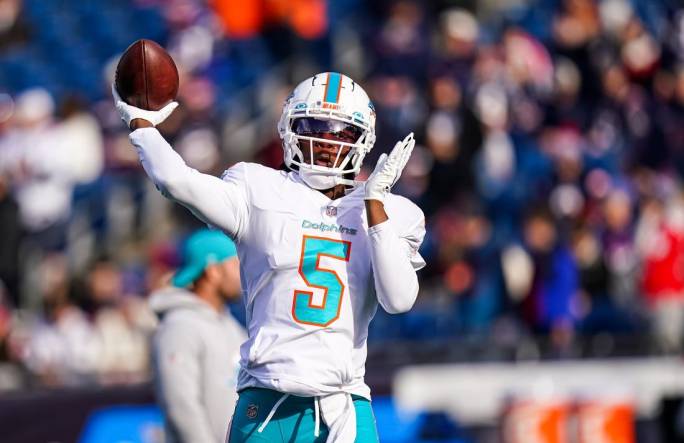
point(40, 175)
point(10, 228)
point(576, 24)
point(452, 136)
point(61, 347)
point(78, 136)
point(660, 241)
point(5, 327)
point(400, 108)
point(600, 309)
point(196, 348)
point(104, 343)
point(549, 305)
point(618, 247)
point(458, 35)
point(402, 43)
point(116, 323)
point(80, 139)
point(13, 29)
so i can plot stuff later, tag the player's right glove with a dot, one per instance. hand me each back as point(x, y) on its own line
point(388, 169)
point(129, 113)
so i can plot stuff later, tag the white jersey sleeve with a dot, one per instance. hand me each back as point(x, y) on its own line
point(221, 203)
point(412, 232)
point(395, 257)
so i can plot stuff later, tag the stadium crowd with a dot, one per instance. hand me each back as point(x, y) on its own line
point(549, 165)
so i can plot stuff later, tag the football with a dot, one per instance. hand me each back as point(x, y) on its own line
point(146, 76)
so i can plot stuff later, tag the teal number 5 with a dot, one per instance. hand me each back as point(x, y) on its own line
point(303, 308)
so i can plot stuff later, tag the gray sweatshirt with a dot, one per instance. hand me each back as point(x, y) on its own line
point(196, 361)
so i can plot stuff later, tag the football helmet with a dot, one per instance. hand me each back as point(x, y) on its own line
point(335, 105)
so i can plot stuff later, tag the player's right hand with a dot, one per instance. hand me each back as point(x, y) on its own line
point(129, 113)
point(388, 169)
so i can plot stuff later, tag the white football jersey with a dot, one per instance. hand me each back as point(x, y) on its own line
point(307, 279)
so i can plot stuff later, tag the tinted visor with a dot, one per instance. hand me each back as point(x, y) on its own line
point(313, 127)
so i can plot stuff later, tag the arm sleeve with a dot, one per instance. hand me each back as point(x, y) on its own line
point(219, 202)
point(179, 378)
point(395, 260)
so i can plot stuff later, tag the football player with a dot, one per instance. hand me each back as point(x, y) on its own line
point(318, 252)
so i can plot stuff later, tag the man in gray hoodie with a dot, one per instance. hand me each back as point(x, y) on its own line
point(197, 345)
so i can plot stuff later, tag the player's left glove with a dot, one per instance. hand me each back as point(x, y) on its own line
point(388, 169)
point(129, 113)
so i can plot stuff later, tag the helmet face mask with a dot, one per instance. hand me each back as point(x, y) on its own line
point(323, 152)
point(327, 113)
point(327, 141)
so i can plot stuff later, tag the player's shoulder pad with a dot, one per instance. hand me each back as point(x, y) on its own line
point(404, 211)
point(251, 170)
point(402, 204)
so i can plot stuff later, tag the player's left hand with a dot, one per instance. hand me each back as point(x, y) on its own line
point(388, 169)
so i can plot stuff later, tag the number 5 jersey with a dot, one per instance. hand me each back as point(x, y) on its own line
point(305, 264)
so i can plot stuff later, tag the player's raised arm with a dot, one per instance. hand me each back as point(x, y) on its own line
point(148, 79)
point(396, 282)
point(215, 201)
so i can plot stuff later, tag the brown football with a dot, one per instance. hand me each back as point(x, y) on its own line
point(146, 76)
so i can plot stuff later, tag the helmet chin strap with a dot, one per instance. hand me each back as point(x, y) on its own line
point(320, 180)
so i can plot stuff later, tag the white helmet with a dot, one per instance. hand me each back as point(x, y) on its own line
point(327, 102)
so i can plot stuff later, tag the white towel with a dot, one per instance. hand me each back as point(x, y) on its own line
point(339, 415)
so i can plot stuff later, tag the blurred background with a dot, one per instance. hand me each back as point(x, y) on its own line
point(549, 166)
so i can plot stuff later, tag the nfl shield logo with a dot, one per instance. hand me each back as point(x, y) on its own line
point(331, 211)
point(252, 411)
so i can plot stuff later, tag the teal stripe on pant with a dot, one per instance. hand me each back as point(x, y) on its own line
point(293, 422)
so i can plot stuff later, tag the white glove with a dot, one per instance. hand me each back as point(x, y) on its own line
point(388, 169)
point(129, 113)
